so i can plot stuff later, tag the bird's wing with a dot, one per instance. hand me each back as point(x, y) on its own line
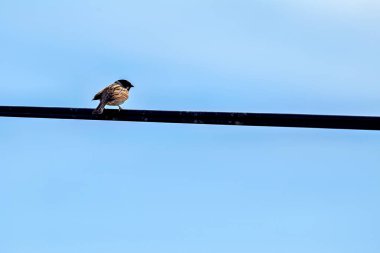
point(116, 92)
point(98, 95)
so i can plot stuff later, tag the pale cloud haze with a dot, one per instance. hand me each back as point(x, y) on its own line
point(348, 8)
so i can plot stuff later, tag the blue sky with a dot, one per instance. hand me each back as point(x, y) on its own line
point(78, 186)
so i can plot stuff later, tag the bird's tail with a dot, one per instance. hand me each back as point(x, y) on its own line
point(100, 108)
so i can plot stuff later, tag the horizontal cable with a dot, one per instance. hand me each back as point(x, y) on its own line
point(189, 117)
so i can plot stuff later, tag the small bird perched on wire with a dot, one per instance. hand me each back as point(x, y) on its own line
point(114, 94)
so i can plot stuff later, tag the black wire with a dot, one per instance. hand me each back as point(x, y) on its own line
point(217, 118)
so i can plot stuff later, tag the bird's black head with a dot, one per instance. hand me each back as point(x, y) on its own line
point(125, 83)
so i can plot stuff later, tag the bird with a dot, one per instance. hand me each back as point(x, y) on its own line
point(114, 94)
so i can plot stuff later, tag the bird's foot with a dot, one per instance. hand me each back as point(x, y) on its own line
point(120, 108)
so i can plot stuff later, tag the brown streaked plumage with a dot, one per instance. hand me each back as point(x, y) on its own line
point(114, 94)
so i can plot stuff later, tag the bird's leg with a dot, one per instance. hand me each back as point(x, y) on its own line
point(120, 108)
